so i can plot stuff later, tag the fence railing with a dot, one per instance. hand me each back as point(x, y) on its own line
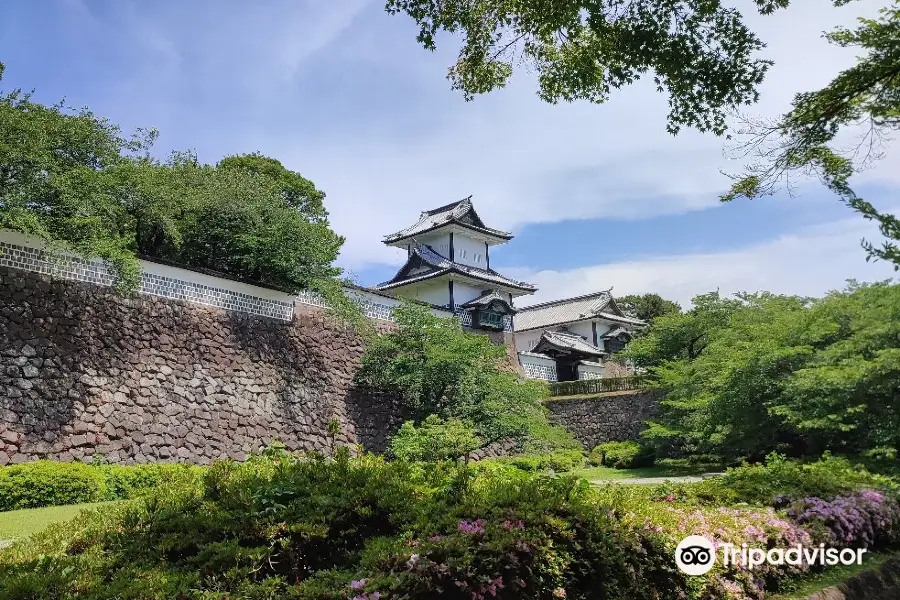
point(597, 386)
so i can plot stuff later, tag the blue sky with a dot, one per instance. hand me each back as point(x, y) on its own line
point(598, 196)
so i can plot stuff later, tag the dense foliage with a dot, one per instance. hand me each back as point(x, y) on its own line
point(777, 482)
point(436, 368)
point(73, 180)
point(763, 372)
point(317, 529)
point(310, 528)
point(46, 483)
point(557, 461)
point(701, 55)
point(434, 440)
point(647, 307)
point(621, 455)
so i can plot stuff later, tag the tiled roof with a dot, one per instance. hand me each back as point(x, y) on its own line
point(570, 310)
point(445, 215)
point(486, 298)
point(442, 265)
point(568, 341)
point(616, 331)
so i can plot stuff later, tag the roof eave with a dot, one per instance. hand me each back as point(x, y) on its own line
point(500, 237)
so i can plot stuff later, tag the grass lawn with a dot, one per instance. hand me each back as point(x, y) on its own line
point(22, 523)
point(660, 470)
point(833, 576)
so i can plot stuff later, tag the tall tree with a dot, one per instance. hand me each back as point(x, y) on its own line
point(58, 168)
point(792, 374)
point(73, 180)
point(647, 307)
point(436, 368)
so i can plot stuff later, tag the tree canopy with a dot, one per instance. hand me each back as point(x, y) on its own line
point(434, 367)
point(75, 181)
point(769, 372)
point(701, 54)
point(646, 307)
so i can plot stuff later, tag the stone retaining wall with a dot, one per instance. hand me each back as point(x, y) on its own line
point(612, 417)
point(882, 583)
point(84, 371)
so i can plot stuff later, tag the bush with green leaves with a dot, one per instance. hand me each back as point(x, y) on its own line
point(621, 455)
point(321, 529)
point(779, 481)
point(434, 367)
point(47, 483)
point(435, 439)
point(559, 461)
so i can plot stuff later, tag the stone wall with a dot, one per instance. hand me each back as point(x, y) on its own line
point(612, 417)
point(880, 583)
point(84, 371)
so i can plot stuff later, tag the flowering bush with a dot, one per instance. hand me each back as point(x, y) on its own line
point(349, 529)
point(779, 481)
point(866, 519)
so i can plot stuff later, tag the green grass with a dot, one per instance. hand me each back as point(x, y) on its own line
point(661, 470)
point(16, 524)
point(833, 576)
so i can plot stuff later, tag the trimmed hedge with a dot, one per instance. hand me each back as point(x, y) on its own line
point(47, 483)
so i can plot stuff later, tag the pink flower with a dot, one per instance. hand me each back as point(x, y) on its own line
point(358, 584)
point(559, 593)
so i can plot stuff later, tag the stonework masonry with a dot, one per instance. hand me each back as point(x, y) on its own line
point(613, 417)
point(84, 371)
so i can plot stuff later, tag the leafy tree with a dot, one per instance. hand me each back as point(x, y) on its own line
point(647, 306)
point(701, 53)
point(434, 367)
point(53, 162)
point(803, 141)
point(435, 439)
point(72, 179)
point(298, 192)
point(791, 374)
point(676, 335)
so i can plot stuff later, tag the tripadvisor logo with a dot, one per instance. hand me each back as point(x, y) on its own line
point(696, 555)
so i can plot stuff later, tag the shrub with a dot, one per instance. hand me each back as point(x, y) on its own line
point(46, 483)
point(779, 481)
point(129, 481)
point(866, 519)
point(621, 455)
point(435, 439)
point(560, 461)
point(348, 528)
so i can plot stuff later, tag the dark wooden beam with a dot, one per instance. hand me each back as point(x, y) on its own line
point(450, 284)
point(487, 255)
point(452, 253)
point(594, 331)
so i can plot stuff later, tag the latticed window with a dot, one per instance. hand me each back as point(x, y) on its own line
point(490, 318)
point(614, 345)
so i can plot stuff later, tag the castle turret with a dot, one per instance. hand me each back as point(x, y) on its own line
point(449, 265)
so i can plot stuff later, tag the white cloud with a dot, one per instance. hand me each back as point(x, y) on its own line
point(810, 262)
point(529, 162)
